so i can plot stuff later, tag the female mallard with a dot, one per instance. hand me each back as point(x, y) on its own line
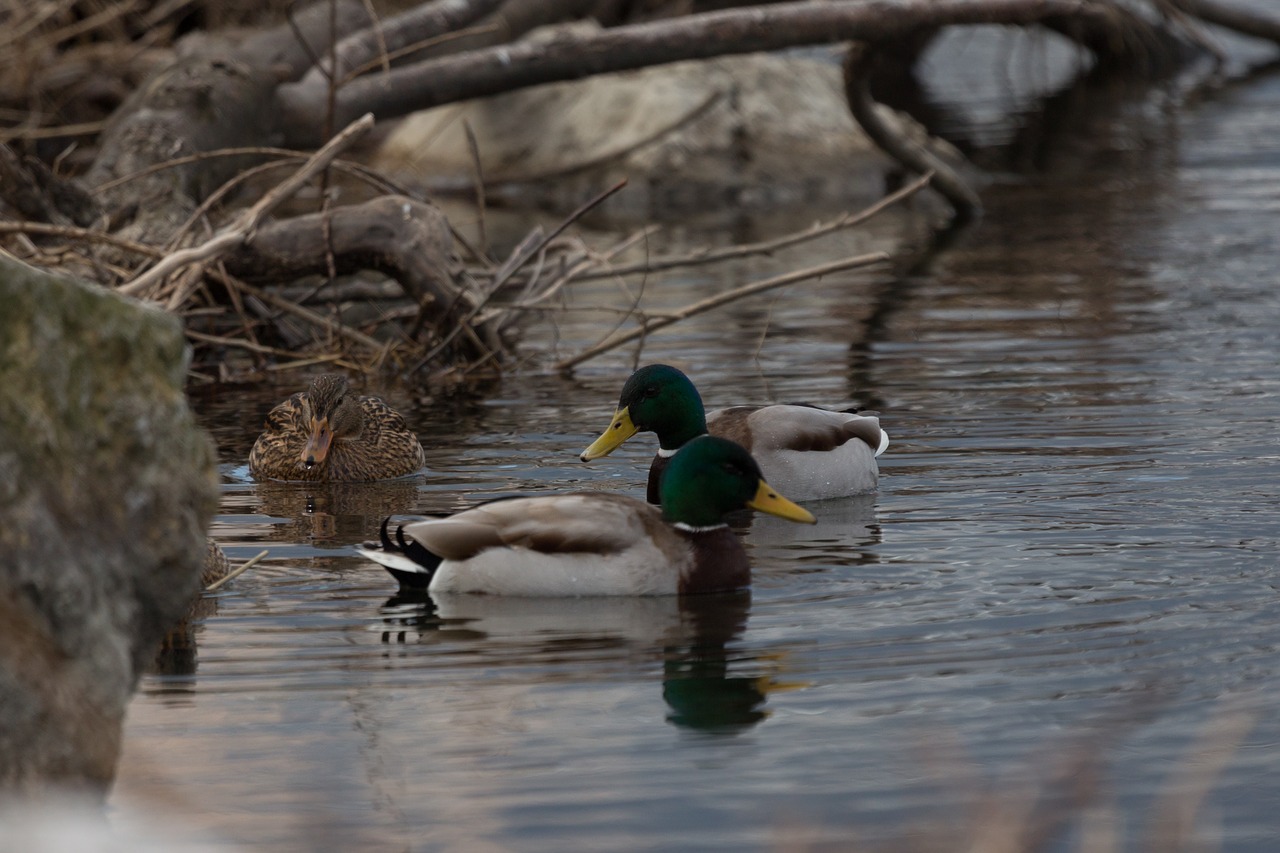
point(596, 543)
point(216, 565)
point(328, 434)
point(807, 452)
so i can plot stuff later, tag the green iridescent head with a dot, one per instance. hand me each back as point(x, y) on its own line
point(710, 477)
point(657, 398)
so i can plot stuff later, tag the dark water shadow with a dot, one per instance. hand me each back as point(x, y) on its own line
point(178, 655)
point(707, 684)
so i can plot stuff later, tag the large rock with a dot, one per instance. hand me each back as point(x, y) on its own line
point(106, 489)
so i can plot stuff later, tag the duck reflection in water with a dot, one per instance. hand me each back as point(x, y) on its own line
point(697, 684)
point(710, 684)
point(177, 655)
point(336, 513)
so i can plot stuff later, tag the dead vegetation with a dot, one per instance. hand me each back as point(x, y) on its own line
point(150, 149)
point(1062, 798)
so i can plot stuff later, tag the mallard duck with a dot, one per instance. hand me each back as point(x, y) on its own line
point(328, 434)
point(595, 543)
point(807, 452)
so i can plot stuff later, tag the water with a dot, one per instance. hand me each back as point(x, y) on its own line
point(1072, 559)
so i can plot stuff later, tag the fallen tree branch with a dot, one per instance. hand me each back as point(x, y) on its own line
point(649, 326)
point(400, 237)
point(572, 54)
point(412, 26)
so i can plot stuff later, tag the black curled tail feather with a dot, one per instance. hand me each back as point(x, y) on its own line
point(415, 552)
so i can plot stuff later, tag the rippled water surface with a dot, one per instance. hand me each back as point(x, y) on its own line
point(1073, 557)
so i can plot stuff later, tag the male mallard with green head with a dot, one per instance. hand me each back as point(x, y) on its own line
point(328, 434)
point(595, 543)
point(807, 452)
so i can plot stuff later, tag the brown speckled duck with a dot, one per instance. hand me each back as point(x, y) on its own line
point(216, 564)
point(328, 434)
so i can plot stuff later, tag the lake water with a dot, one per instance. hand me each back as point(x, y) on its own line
point(1070, 571)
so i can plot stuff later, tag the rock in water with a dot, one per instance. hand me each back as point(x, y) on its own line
point(107, 486)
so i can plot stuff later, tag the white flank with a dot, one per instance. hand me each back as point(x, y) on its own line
point(640, 570)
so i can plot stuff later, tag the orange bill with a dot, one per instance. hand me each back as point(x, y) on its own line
point(317, 446)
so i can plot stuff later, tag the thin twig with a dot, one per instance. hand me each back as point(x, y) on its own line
point(650, 326)
point(530, 251)
point(304, 313)
point(601, 159)
point(54, 131)
point(71, 232)
point(384, 58)
point(286, 154)
point(238, 343)
point(232, 575)
point(473, 148)
point(577, 271)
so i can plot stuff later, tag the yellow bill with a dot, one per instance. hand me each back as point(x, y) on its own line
point(620, 429)
point(767, 500)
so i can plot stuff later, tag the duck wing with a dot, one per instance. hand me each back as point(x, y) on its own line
point(574, 523)
point(796, 427)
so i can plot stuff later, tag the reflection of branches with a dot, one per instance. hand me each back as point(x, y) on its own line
point(651, 324)
point(764, 247)
point(857, 67)
point(1243, 21)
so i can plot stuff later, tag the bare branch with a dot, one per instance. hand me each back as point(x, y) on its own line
point(510, 268)
point(397, 236)
point(416, 25)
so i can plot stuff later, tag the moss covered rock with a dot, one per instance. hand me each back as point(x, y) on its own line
point(107, 486)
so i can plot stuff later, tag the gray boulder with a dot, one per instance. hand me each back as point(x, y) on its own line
point(106, 489)
point(760, 130)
